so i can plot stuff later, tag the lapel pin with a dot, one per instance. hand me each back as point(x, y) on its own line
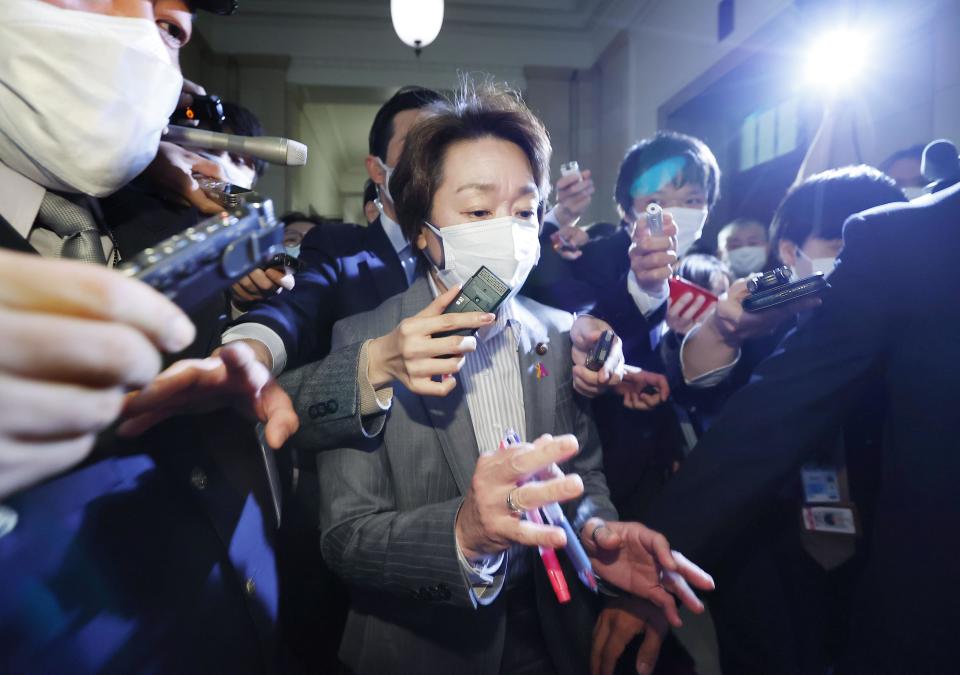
point(541, 371)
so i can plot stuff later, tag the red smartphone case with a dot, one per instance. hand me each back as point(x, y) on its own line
point(679, 286)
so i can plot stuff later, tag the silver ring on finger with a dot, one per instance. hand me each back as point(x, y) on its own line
point(593, 535)
point(512, 504)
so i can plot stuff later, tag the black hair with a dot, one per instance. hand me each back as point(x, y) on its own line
point(913, 152)
point(484, 110)
point(242, 121)
point(700, 168)
point(408, 98)
point(299, 217)
point(821, 204)
point(704, 270)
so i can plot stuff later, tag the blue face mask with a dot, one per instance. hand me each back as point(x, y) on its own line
point(293, 251)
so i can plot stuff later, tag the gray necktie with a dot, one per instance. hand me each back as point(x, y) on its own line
point(75, 226)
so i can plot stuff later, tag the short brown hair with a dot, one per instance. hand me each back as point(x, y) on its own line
point(477, 111)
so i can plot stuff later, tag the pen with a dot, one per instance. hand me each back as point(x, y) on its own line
point(576, 554)
point(551, 562)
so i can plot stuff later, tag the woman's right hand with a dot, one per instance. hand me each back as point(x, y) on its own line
point(485, 523)
point(409, 354)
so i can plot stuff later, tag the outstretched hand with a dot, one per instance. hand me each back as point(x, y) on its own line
point(640, 561)
point(232, 377)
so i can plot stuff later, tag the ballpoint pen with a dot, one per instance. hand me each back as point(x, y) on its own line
point(574, 549)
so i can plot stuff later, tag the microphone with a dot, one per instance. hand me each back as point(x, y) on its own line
point(271, 149)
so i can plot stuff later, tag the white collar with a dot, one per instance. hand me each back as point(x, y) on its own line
point(20, 200)
point(394, 233)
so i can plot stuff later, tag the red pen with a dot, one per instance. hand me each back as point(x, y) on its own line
point(551, 562)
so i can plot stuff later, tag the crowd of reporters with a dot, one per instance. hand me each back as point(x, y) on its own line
point(307, 473)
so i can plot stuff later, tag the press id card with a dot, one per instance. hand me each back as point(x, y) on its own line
point(834, 519)
point(820, 485)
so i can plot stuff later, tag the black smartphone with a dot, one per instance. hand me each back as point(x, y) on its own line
point(774, 288)
point(600, 351)
point(483, 292)
point(195, 265)
point(282, 260)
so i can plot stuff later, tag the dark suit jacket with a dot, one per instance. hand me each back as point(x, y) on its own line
point(156, 555)
point(889, 321)
point(347, 269)
point(388, 507)
point(639, 447)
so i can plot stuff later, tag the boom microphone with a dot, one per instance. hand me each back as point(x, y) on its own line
point(273, 149)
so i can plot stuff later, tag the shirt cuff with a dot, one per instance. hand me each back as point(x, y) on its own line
point(482, 576)
point(645, 302)
point(551, 218)
point(260, 333)
point(372, 401)
point(711, 378)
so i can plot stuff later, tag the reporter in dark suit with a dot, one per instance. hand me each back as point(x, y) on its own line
point(886, 324)
point(347, 268)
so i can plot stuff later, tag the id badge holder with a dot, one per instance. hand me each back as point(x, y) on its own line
point(824, 508)
point(821, 484)
point(832, 519)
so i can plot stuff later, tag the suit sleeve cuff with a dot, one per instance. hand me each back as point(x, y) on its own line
point(260, 333)
point(372, 401)
point(711, 378)
point(647, 303)
point(484, 577)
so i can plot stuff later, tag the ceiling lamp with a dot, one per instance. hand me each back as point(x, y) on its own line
point(417, 22)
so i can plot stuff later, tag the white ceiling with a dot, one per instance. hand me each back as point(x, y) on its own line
point(352, 43)
point(539, 14)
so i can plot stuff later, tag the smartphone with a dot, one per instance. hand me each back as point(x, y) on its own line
point(600, 351)
point(483, 292)
point(654, 220)
point(680, 286)
point(774, 288)
point(225, 194)
point(284, 260)
point(195, 265)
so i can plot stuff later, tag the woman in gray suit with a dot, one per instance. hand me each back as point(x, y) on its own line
point(424, 520)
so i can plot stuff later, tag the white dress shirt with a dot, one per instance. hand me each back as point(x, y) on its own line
point(493, 389)
point(647, 303)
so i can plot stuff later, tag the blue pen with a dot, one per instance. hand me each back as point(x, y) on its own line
point(574, 549)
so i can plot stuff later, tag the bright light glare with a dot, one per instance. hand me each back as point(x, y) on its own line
point(836, 59)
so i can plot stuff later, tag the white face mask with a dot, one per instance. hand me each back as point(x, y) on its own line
point(386, 183)
point(237, 174)
point(914, 192)
point(824, 265)
point(292, 251)
point(746, 260)
point(84, 97)
point(689, 223)
point(509, 247)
